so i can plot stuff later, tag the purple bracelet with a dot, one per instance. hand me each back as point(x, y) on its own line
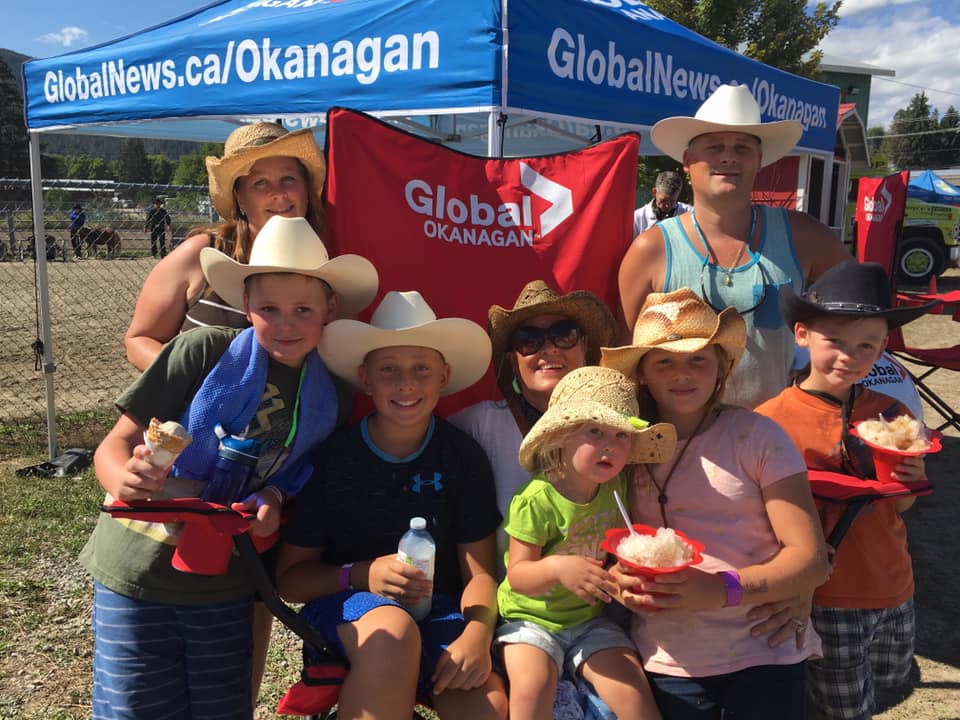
point(731, 583)
point(345, 576)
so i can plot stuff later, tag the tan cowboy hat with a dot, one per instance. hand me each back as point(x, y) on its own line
point(678, 321)
point(250, 143)
point(405, 318)
point(603, 396)
point(538, 298)
point(731, 108)
point(291, 245)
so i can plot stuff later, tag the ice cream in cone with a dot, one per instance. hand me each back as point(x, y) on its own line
point(166, 441)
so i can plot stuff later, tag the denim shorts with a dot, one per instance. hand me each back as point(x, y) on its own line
point(184, 662)
point(568, 648)
point(441, 627)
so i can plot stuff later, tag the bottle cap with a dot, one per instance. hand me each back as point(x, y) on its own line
point(418, 523)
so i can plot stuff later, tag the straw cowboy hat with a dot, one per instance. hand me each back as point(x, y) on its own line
point(731, 108)
point(405, 318)
point(603, 396)
point(678, 321)
point(291, 245)
point(849, 289)
point(537, 298)
point(250, 143)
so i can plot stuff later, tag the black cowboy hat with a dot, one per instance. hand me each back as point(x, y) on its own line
point(850, 289)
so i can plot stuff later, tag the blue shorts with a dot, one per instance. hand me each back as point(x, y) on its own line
point(183, 662)
point(441, 627)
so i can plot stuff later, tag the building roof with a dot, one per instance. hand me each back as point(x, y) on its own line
point(832, 63)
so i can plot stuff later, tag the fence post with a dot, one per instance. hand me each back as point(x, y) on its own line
point(39, 234)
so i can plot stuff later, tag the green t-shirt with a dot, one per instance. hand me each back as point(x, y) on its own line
point(132, 557)
point(540, 515)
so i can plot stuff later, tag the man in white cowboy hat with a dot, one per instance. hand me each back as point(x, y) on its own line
point(729, 251)
point(339, 554)
point(266, 382)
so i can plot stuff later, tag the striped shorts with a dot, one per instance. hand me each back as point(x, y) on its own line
point(863, 650)
point(177, 662)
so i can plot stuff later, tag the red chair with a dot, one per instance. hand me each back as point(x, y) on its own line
point(880, 207)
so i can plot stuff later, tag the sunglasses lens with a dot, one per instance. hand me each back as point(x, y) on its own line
point(528, 339)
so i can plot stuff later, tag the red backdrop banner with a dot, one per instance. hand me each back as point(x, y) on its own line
point(469, 232)
point(881, 203)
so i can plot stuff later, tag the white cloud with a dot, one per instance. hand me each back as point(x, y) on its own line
point(853, 7)
point(66, 37)
point(920, 47)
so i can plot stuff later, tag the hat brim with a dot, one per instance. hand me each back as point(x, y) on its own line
point(729, 333)
point(464, 345)
point(223, 172)
point(653, 444)
point(353, 278)
point(586, 309)
point(672, 135)
point(796, 308)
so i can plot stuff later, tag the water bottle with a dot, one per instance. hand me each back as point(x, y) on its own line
point(418, 549)
point(236, 460)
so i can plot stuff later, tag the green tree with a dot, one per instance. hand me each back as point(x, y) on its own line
point(878, 159)
point(913, 143)
point(949, 151)
point(14, 142)
point(192, 168)
point(780, 33)
point(133, 165)
point(161, 169)
point(87, 167)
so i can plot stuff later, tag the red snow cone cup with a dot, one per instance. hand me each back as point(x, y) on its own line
point(614, 535)
point(885, 460)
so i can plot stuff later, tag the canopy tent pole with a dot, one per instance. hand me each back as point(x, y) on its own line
point(43, 295)
point(826, 192)
point(494, 135)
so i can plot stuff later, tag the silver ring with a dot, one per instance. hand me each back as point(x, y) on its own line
point(798, 624)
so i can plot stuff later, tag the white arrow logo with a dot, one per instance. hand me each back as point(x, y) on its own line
point(559, 197)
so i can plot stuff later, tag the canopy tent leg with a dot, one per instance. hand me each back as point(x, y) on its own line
point(495, 134)
point(826, 193)
point(43, 295)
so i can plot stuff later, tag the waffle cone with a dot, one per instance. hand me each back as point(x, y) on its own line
point(169, 436)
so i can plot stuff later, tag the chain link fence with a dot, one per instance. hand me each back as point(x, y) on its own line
point(92, 287)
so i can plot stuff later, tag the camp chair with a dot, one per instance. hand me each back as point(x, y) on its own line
point(878, 241)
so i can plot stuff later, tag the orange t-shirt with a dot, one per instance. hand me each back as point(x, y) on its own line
point(872, 567)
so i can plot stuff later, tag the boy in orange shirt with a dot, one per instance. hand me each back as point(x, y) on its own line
point(864, 612)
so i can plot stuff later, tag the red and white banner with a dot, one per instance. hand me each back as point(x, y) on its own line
point(469, 232)
point(881, 203)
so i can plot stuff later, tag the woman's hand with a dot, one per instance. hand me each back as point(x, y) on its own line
point(398, 581)
point(689, 589)
point(782, 621)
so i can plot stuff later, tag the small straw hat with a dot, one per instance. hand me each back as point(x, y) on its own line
point(678, 321)
point(603, 396)
point(291, 245)
point(731, 108)
point(538, 298)
point(405, 318)
point(250, 143)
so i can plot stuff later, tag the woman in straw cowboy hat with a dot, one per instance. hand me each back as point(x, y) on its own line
point(553, 598)
point(265, 171)
point(737, 484)
point(730, 251)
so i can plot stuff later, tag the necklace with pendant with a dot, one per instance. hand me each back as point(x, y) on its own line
point(728, 271)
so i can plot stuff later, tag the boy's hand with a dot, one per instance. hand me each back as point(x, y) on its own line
point(585, 577)
point(910, 469)
point(465, 663)
point(266, 506)
point(398, 581)
point(140, 480)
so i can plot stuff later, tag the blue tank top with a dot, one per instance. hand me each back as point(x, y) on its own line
point(754, 290)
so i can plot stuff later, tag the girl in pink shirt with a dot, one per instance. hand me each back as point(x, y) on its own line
point(737, 484)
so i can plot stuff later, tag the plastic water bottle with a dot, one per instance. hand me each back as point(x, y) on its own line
point(418, 549)
point(230, 477)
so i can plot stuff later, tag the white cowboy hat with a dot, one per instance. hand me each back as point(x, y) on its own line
point(602, 396)
point(731, 108)
point(250, 143)
point(405, 318)
point(291, 245)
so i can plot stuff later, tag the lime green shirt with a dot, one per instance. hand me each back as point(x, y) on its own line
point(540, 515)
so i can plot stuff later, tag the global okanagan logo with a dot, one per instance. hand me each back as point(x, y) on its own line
point(476, 221)
point(874, 208)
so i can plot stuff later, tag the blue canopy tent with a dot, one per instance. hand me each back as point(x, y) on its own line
point(487, 76)
point(930, 187)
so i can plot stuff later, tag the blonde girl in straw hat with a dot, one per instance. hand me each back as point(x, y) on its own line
point(737, 484)
point(555, 590)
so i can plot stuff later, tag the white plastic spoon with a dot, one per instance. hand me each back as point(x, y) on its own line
point(623, 511)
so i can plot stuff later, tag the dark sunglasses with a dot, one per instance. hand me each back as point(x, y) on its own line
point(528, 339)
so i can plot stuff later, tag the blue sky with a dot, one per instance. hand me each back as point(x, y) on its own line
point(916, 38)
